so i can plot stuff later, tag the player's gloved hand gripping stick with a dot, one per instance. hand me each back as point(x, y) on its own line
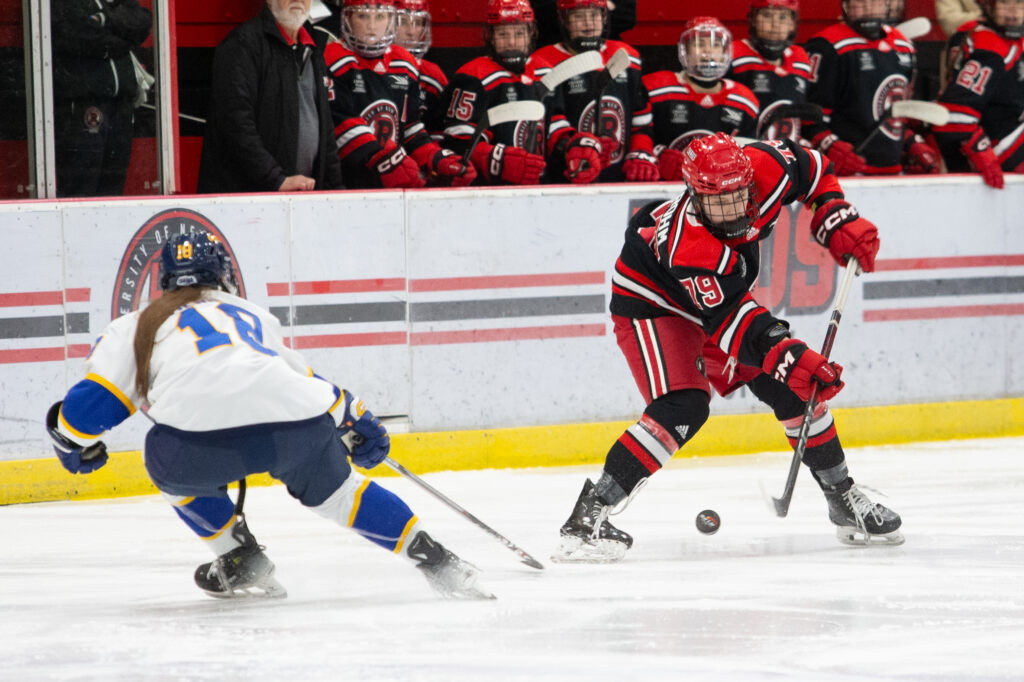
point(503, 113)
point(781, 504)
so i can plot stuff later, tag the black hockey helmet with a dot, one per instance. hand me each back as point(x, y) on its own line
point(196, 259)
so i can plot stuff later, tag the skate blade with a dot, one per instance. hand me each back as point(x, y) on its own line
point(574, 550)
point(855, 537)
point(266, 588)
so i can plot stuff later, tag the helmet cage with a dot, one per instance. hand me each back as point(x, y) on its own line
point(702, 63)
point(369, 47)
point(869, 27)
point(417, 46)
point(720, 179)
point(513, 60)
point(196, 259)
point(582, 43)
point(772, 49)
point(988, 8)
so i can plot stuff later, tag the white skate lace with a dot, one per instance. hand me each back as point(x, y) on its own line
point(621, 505)
point(861, 506)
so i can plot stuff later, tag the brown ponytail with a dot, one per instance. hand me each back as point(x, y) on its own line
point(149, 321)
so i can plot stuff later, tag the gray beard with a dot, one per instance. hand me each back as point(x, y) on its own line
point(289, 19)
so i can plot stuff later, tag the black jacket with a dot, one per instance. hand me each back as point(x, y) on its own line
point(92, 40)
point(252, 125)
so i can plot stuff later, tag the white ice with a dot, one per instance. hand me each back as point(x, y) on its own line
point(103, 590)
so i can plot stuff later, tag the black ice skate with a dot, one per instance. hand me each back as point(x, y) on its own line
point(243, 572)
point(450, 576)
point(860, 521)
point(588, 536)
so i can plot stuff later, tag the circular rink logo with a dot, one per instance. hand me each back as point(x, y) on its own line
point(137, 280)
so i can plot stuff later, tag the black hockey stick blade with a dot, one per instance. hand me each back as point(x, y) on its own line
point(781, 503)
point(805, 111)
point(521, 553)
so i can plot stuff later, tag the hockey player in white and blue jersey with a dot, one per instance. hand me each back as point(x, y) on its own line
point(229, 399)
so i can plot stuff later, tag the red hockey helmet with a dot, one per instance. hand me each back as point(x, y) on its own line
point(1001, 24)
point(513, 20)
point(591, 37)
point(705, 48)
point(772, 47)
point(373, 31)
point(412, 26)
point(509, 12)
point(720, 179)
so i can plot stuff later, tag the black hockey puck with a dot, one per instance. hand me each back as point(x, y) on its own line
point(708, 522)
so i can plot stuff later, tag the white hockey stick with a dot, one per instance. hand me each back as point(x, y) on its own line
point(914, 28)
point(929, 112)
point(576, 65)
point(528, 110)
point(616, 66)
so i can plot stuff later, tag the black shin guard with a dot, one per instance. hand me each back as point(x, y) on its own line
point(668, 423)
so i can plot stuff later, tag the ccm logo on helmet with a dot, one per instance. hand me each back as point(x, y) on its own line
point(731, 181)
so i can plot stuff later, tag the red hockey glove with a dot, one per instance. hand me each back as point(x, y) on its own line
point(641, 166)
point(839, 226)
point(583, 158)
point(794, 364)
point(447, 168)
point(919, 158)
point(845, 160)
point(609, 145)
point(511, 164)
point(670, 164)
point(396, 169)
point(978, 150)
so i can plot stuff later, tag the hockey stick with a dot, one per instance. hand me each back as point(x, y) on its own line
point(781, 504)
point(929, 112)
point(527, 110)
point(804, 111)
point(147, 105)
point(616, 66)
point(914, 28)
point(576, 65)
point(521, 553)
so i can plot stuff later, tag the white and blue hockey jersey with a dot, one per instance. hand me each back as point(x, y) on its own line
point(220, 341)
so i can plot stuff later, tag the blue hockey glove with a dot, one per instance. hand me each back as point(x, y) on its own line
point(362, 434)
point(76, 458)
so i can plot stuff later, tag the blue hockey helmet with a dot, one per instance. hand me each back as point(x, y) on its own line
point(196, 259)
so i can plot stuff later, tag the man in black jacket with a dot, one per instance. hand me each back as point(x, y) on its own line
point(94, 88)
point(269, 127)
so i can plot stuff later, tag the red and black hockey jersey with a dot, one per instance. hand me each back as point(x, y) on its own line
point(432, 85)
point(484, 83)
point(373, 102)
point(855, 81)
point(680, 114)
point(774, 85)
point(674, 266)
point(986, 89)
point(625, 113)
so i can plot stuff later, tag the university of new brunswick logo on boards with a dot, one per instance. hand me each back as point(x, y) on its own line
point(137, 280)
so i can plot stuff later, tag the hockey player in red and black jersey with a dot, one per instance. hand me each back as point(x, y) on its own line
point(773, 67)
point(623, 119)
point(859, 67)
point(985, 97)
point(512, 153)
point(685, 320)
point(413, 32)
point(375, 104)
point(698, 100)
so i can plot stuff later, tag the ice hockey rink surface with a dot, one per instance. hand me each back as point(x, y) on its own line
point(102, 590)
